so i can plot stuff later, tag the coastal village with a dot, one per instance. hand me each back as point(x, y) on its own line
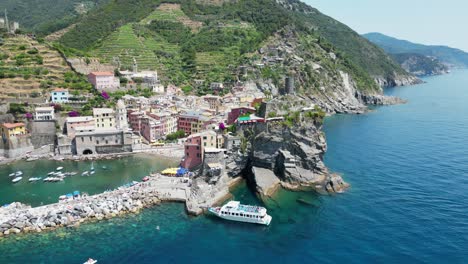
point(211, 137)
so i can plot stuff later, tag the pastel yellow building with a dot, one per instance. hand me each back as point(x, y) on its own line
point(10, 130)
point(104, 118)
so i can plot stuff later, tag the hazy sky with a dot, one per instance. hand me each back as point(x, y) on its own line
point(440, 22)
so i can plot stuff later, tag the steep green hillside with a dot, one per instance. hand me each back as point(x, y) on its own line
point(185, 39)
point(47, 16)
point(31, 69)
point(447, 55)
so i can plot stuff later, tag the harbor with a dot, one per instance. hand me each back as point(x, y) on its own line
point(108, 175)
point(19, 218)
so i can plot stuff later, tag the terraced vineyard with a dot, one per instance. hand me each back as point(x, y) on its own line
point(148, 43)
point(126, 46)
point(25, 64)
point(172, 12)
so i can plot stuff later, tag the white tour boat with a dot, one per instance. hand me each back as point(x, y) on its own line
point(17, 179)
point(235, 211)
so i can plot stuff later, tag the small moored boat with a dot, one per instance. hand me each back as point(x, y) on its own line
point(17, 179)
point(18, 173)
point(59, 168)
point(90, 261)
point(34, 179)
point(235, 211)
point(85, 173)
point(145, 179)
point(12, 174)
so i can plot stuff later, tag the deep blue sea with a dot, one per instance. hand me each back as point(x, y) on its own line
point(408, 167)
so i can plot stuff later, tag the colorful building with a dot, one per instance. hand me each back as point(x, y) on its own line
point(73, 124)
point(195, 146)
point(104, 81)
point(192, 122)
point(237, 112)
point(12, 130)
point(44, 113)
point(60, 96)
point(193, 152)
point(104, 118)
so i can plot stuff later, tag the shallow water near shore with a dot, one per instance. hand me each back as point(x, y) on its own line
point(408, 170)
point(109, 174)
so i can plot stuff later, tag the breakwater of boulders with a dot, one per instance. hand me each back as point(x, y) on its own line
point(19, 218)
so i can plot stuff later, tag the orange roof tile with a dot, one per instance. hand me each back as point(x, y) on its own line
point(13, 125)
point(102, 73)
point(60, 90)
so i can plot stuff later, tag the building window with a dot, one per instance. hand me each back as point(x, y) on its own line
point(82, 139)
point(107, 142)
point(97, 142)
point(90, 139)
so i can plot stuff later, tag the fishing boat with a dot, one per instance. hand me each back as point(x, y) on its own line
point(59, 168)
point(92, 172)
point(34, 179)
point(85, 173)
point(12, 174)
point(235, 211)
point(18, 173)
point(53, 179)
point(90, 261)
point(17, 179)
point(51, 173)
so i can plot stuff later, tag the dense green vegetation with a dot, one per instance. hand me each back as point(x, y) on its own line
point(451, 56)
point(47, 16)
point(102, 22)
point(162, 40)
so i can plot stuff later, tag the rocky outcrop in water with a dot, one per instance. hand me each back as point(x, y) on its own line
point(278, 154)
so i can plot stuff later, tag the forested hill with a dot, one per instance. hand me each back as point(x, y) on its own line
point(450, 56)
point(46, 16)
point(265, 16)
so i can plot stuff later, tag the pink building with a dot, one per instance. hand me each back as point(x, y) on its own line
point(73, 123)
point(103, 81)
point(240, 111)
point(148, 127)
point(193, 152)
point(134, 119)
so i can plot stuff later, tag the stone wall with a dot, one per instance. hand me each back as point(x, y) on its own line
point(16, 147)
point(42, 133)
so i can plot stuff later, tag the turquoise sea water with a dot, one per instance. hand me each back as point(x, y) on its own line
point(110, 174)
point(408, 167)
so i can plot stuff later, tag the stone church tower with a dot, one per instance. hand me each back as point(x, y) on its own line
point(121, 116)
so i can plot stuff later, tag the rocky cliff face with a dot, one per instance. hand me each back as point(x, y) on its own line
point(397, 80)
point(420, 65)
point(275, 154)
